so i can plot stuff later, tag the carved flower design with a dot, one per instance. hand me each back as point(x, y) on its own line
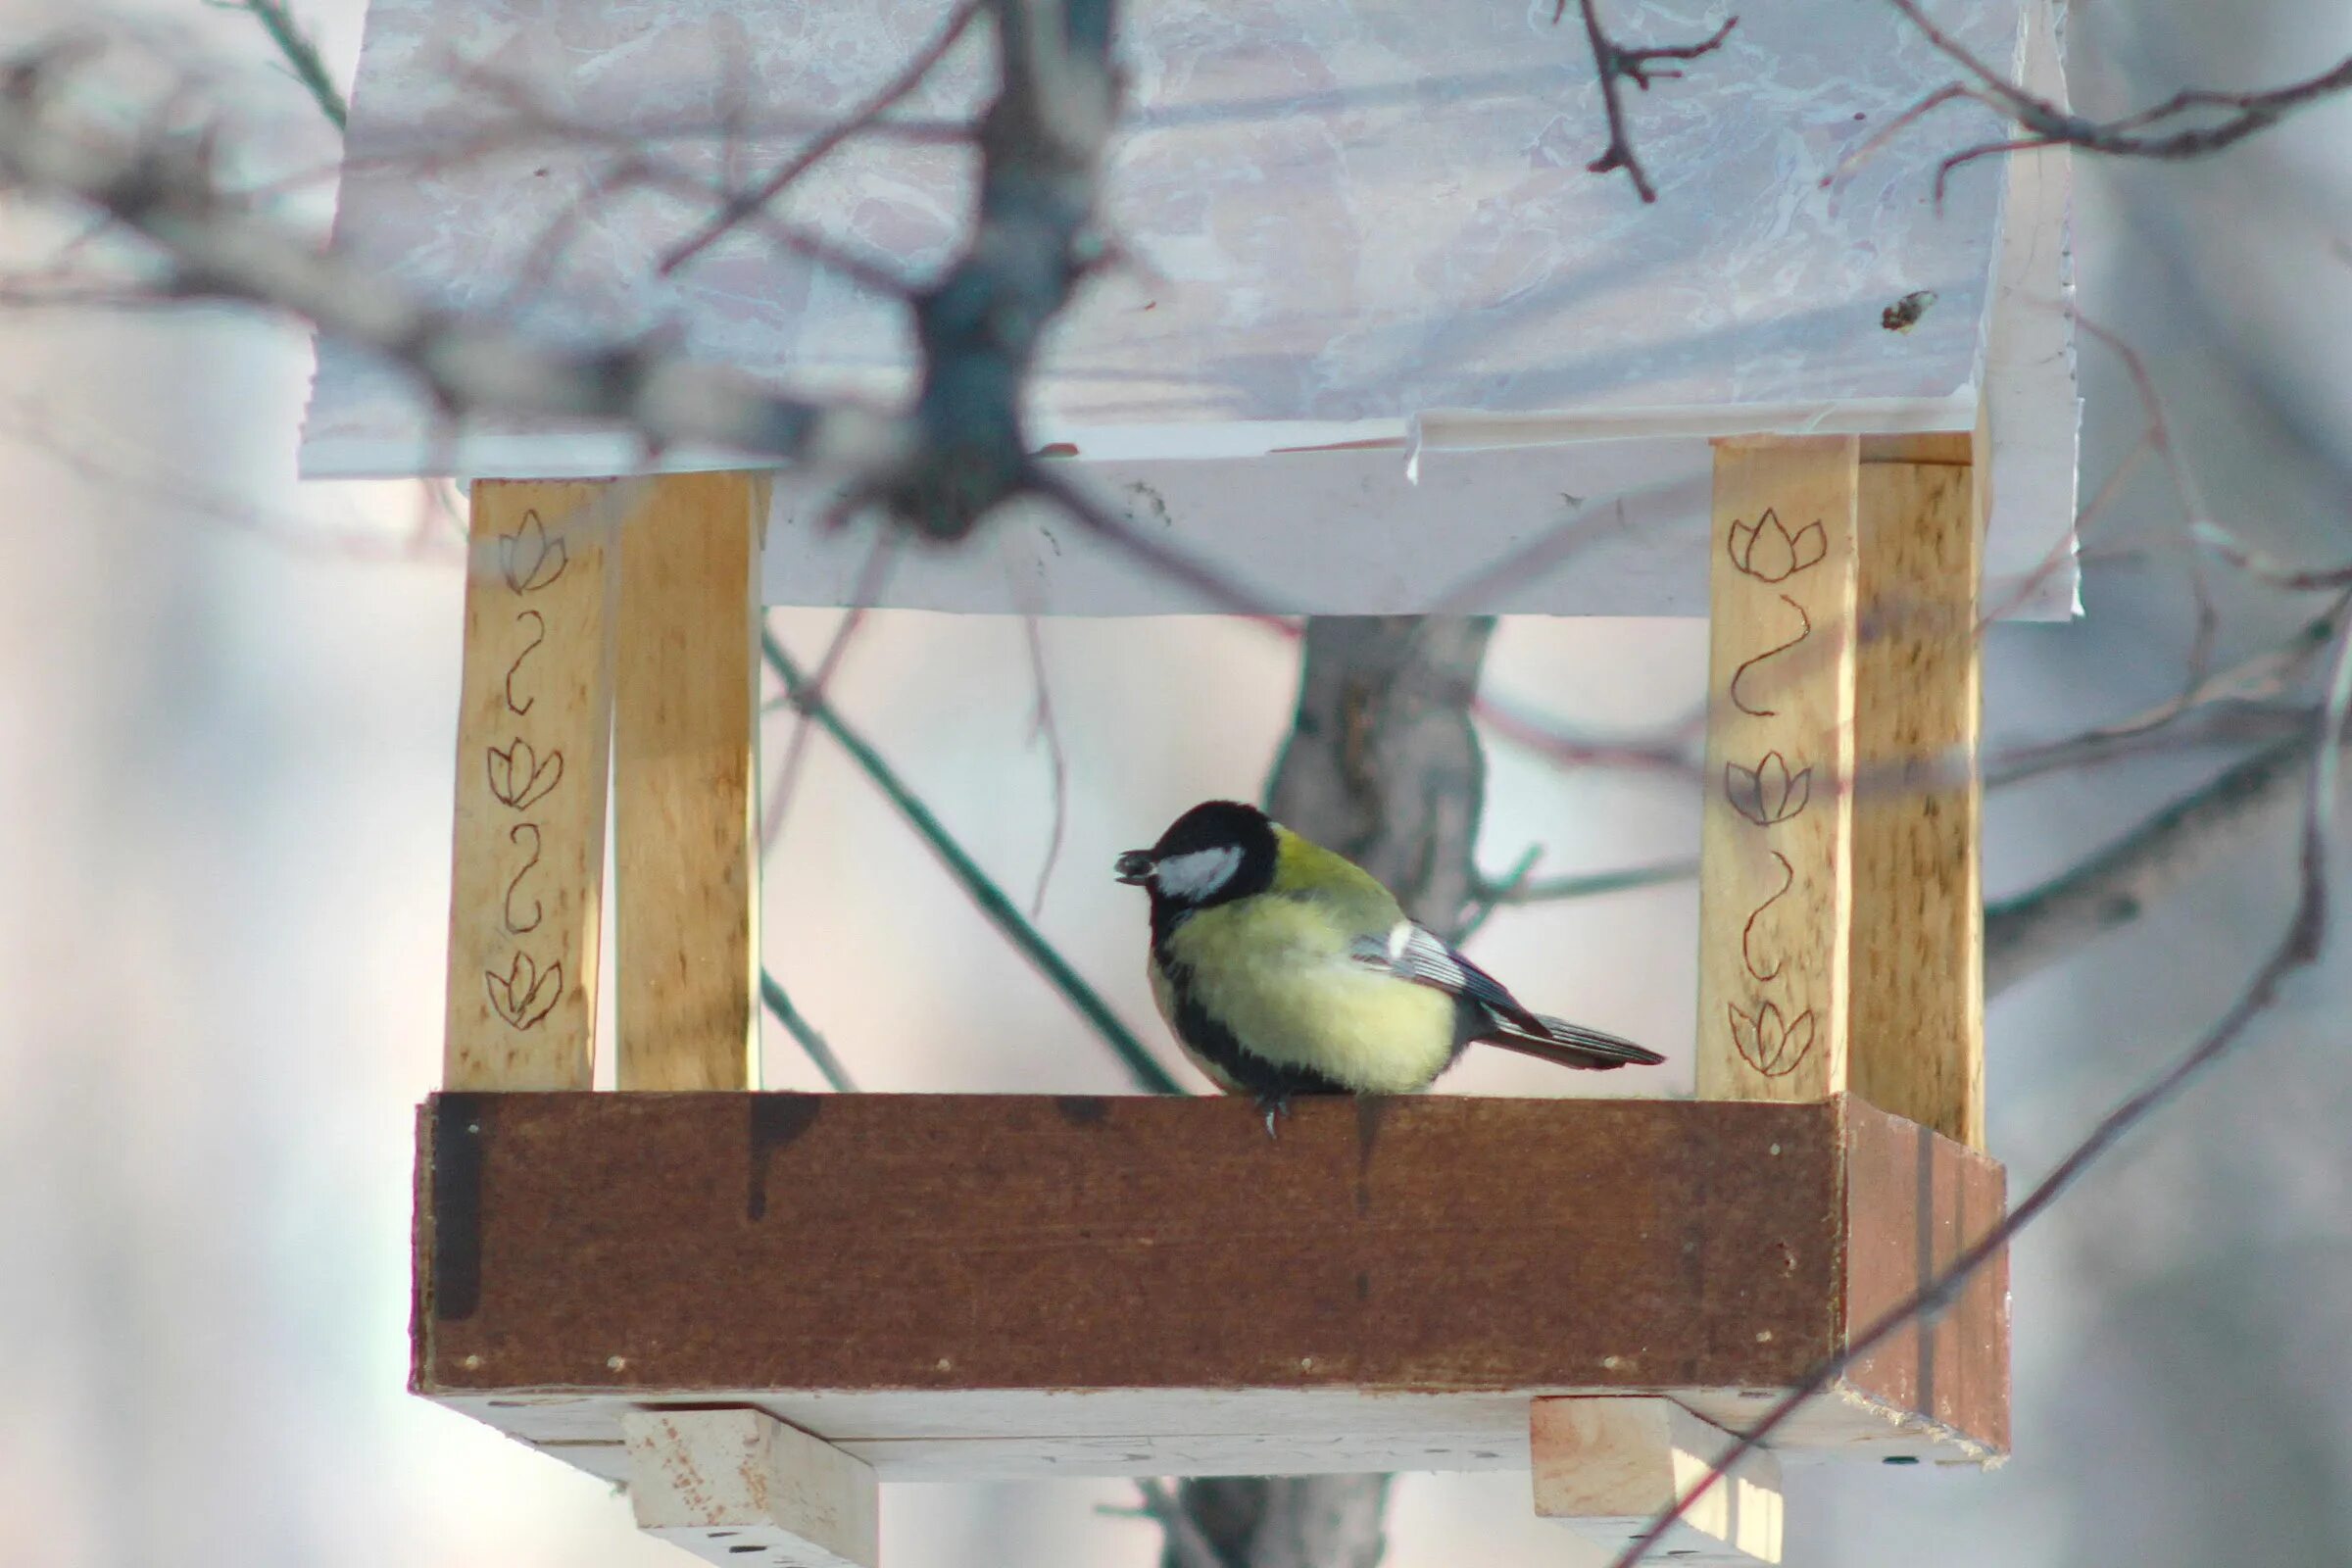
point(526, 993)
point(1768, 792)
point(520, 776)
point(1768, 552)
point(1767, 1044)
point(528, 559)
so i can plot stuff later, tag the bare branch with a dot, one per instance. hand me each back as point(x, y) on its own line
point(909, 77)
point(2265, 567)
point(301, 54)
point(976, 883)
point(1597, 884)
point(1488, 896)
point(2135, 135)
point(828, 1066)
point(1044, 726)
point(956, 455)
point(466, 362)
point(2227, 706)
point(2299, 945)
point(1614, 64)
point(2026, 934)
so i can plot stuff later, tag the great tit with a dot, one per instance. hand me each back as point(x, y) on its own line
point(1286, 969)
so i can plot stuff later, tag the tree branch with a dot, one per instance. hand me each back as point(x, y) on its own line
point(828, 1066)
point(1382, 765)
point(1614, 64)
point(301, 54)
point(909, 76)
point(2029, 933)
point(2134, 135)
point(977, 885)
point(2301, 944)
point(955, 456)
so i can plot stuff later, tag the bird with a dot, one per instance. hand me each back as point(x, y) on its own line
point(1284, 970)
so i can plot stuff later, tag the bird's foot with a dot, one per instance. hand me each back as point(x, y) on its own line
point(1275, 1106)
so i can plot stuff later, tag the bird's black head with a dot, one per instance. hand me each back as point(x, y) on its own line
point(1217, 851)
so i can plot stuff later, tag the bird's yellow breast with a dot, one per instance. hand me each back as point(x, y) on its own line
point(1280, 979)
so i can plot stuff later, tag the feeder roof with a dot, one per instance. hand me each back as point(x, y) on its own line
point(1364, 226)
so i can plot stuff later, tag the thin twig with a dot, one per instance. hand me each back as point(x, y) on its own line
point(2231, 706)
point(2300, 944)
point(1043, 725)
point(977, 885)
point(1598, 884)
point(2268, 568)
point(2045, 123)
point(466, 362)
point(909, 77)
point(1613, 62)
point(862, 594)
point(1486, 898)
point(2051, 923)
point(2227, 724)
point(301, 55)
point(827, 1064)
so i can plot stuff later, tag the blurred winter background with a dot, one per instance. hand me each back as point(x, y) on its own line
point(225, 736)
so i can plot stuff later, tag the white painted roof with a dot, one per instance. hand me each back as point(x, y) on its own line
point(1360, 221)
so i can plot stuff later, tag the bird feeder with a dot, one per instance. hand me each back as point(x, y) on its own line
point(1380, 345)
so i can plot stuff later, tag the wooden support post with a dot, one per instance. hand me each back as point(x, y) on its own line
point(1605, 1467)
point(741, 1486)
point(1775, 844)
point(1918, 1010)
point(1841, 905)
point(685, 778)
point(528, 862)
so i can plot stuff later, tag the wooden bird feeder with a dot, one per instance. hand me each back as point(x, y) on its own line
point(1386, 336)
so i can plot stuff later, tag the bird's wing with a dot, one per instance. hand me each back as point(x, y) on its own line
point(1417, 953)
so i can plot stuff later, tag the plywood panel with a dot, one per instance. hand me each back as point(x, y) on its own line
point(1023, 1286)
point(1916, 1201)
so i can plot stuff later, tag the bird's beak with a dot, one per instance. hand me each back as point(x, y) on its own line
point(1134, 867)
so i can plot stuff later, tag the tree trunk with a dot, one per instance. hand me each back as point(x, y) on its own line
point(1382, 765)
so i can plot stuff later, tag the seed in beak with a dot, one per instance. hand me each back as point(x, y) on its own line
point(1134, 867)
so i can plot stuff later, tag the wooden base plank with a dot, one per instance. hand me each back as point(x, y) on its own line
point(741, 1486)
point(1024, 1285)
point(1605, 1467)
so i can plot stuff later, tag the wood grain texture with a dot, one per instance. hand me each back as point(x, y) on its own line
point(1018, 1285)
point(1917, 1010)
point(1915, 1200)
point(685, 784)
point(1606, 1466)
point(527, 866)
point(730, 1485)
point(1775, 889)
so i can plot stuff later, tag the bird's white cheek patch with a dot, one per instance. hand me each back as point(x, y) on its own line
point(1196, 875)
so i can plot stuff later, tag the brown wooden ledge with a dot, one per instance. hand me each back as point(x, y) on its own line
point(1019, 1286)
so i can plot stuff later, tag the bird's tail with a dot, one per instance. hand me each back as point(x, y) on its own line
point(1571, 1044)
